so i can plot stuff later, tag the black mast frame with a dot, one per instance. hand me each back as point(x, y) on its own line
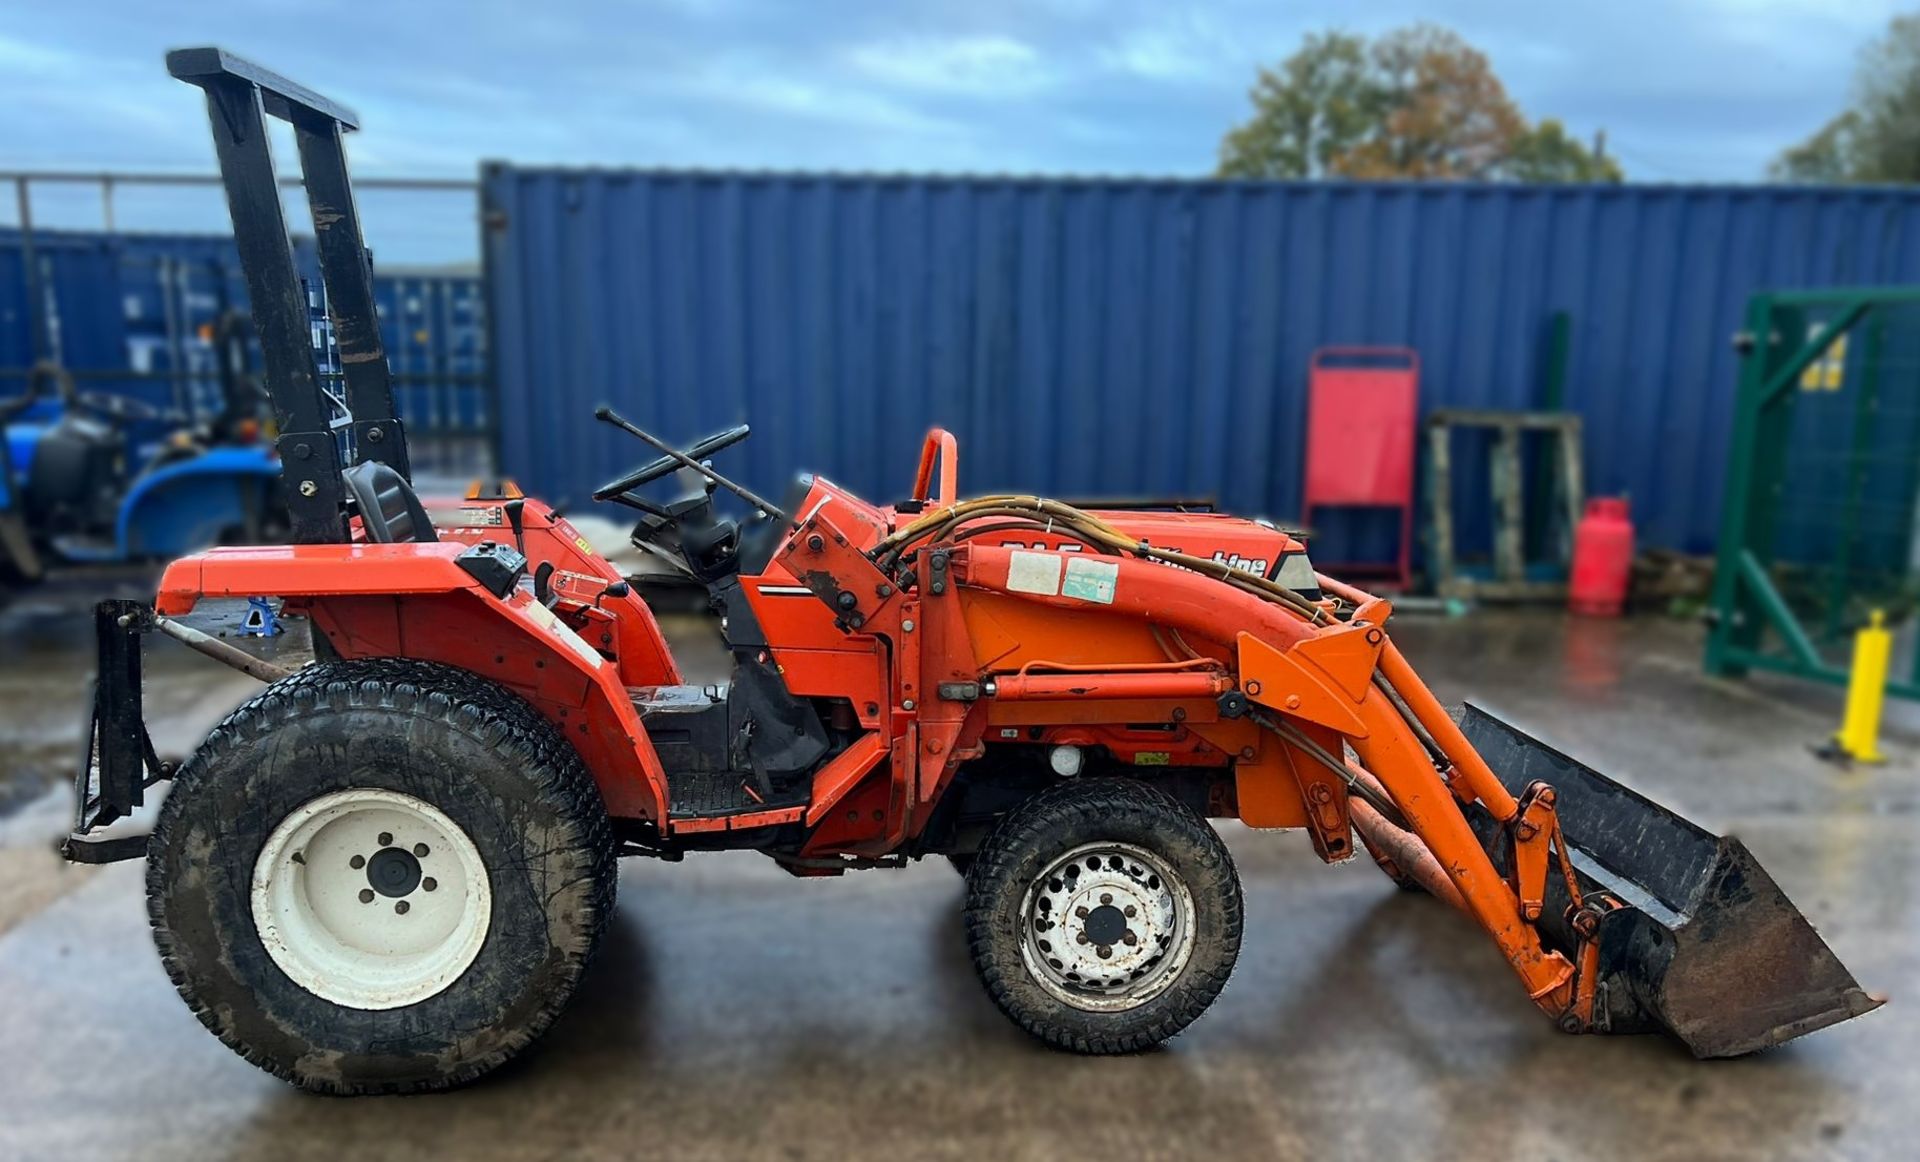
point(240, 97)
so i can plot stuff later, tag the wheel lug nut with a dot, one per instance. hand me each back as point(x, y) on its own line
point(1131, 911)
point(1106, 897)
point(420, 849)
point(1104, 951)
point(366, 895)
point(401, 907)
point(386, 839)
point(1129, 939)
point(1082, 938)
point(357, 862)
point(1081, 912)
point(429, 883)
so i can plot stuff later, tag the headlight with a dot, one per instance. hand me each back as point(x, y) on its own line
point(1296, 573)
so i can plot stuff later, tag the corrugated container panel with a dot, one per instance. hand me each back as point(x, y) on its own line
point(75, 269)
point(145, 302)
point(1133, 337)
point(432, 327)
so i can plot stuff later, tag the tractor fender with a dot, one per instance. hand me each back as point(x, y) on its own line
point(186, 505)
point(415, 601)
point(306, 571)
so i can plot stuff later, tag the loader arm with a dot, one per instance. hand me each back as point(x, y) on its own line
point(1325, 724)
point(1341, 676)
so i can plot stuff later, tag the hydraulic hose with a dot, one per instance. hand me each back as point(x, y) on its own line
point(1085, 527)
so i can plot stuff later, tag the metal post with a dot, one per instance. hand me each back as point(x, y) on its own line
point(37, 322)
point(308, 450)
point(348, 275)
point(1510, 506)
point(1770, 367)
point(173, 309)
point(1440, 498)
point(236, 106)
point(492, 222)
point(1859, 735)
point(119, 741)
point(1759, 346)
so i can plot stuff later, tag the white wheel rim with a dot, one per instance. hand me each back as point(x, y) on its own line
point(1107, 927)
point(371, 899)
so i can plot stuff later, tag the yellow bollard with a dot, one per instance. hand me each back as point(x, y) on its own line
point(1859, 737)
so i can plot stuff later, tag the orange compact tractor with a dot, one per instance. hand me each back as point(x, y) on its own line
point(388, 871)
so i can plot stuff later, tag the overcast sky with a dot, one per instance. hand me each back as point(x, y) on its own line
point(1687, 90)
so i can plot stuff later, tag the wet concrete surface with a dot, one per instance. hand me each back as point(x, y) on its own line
point(739, 1013)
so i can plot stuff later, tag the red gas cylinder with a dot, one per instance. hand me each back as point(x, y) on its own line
point(1602, 558)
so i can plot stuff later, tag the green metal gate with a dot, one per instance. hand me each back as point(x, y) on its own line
point(1818, 528)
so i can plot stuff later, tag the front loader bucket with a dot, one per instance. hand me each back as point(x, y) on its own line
point(1707, 947)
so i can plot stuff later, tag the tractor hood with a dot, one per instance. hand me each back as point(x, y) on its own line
point(1251, 546)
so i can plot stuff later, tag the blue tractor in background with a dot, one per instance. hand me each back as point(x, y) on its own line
point(92, 477)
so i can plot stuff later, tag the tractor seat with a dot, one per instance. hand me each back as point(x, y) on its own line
point(389, 510)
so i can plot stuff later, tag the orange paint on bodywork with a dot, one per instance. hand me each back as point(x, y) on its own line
point(948, 650)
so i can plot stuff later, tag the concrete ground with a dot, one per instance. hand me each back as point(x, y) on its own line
point(738, 1013)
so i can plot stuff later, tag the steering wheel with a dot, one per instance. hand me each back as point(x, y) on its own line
point(667, 465)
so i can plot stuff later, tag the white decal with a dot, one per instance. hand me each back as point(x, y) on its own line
point(1062, 547)
point(1034, 573)
point(560, 629)
point(1255, 565)
point(1091, 579)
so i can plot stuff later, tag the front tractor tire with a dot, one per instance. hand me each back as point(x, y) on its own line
point(1103, 916)
point(380, 876)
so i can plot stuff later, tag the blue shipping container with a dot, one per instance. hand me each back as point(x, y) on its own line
point(1133, 336)
point(142, 302)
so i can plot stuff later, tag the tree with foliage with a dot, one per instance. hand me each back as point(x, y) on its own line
point(1314, 109)
point(1545, 153)
point(1877, 139)
point(1418, 102)
point(1443, 114)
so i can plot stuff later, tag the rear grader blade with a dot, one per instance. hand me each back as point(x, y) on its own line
point(1704, 944)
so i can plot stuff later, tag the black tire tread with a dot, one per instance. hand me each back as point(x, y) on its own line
point(464, 701)
point(1031, 825)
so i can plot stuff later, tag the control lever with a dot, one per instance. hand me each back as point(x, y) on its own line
point(543, 583)
point(516, 518)
point(617, 589)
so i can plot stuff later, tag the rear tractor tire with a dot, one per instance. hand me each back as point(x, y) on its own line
point(380, 876)
point(1103, 916)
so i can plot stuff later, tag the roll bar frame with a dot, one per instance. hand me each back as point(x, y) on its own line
point(240, 96)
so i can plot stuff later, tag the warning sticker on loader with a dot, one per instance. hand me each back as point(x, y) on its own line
point(1091, 579)
point(1034, 573)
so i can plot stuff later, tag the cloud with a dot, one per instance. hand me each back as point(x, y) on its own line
point(998, 67)
point(1188, 49)
point(1696, 89)
point(754, 84)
